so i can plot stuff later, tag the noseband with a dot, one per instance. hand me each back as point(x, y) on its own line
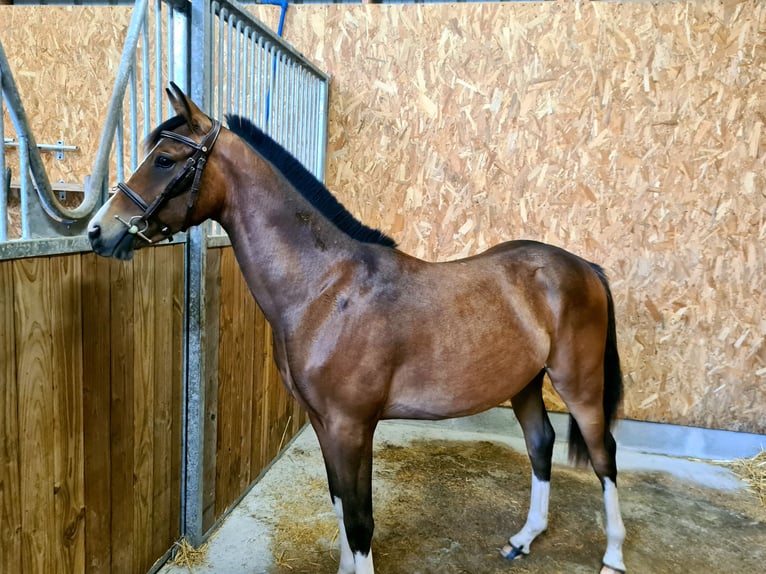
point(190, 176)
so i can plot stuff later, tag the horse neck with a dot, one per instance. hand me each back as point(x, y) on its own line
point(283, 245)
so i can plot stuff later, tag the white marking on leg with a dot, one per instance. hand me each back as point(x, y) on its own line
point(615, 529)
point(363, 563)
point(347, 561)
point(537, 519)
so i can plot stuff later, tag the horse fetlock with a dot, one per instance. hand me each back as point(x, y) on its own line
point(363, 563)
point(523, 540)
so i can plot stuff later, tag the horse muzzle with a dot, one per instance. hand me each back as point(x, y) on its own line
point(120, 246)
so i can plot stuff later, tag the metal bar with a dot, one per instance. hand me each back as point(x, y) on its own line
point(219, 85)
point(277, 98)
point(157, 58)
point(98, 179)
point(193, 428)
point(313, 112)
point(42, 147)
point(181, 47)
point(48, 200)
point(255, 50)
point(170, 56)
point(258, 114)
point(25, 192)
point(133, 118)
point(247, 71)
point(145, 86)
point(229, 38)
point(121, 148)
point(237, 65)
point(3, 189)
point(304, 119)
point(236, 9)
point(324, 118)
point(295, 111)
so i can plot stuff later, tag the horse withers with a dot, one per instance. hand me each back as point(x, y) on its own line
point(364, 332)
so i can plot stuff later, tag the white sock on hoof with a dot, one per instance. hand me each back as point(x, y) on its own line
point(537, 519)
point(615, 529)
point(347, 562)
point(363, 563)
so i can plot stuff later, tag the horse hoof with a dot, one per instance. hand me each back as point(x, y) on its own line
point(511, 552)
point(609, 570)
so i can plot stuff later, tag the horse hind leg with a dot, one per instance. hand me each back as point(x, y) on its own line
point(539, 436)
point(595, 437)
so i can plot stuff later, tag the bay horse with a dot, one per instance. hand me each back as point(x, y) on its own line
point(364, 332)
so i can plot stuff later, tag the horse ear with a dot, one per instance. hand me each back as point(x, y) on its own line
point(183, 106)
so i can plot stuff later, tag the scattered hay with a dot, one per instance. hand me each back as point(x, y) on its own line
point(188, 556)
point(753, 472)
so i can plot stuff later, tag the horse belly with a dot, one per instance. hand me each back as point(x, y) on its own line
point(461, 381)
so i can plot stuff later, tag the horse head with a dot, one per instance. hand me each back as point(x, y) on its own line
point(162, 196)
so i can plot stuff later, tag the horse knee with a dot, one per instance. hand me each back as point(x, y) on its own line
point(540, 450)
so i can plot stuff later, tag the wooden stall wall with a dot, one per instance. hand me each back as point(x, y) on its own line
point(90, 411)
point(250, 415)
point(629, 133)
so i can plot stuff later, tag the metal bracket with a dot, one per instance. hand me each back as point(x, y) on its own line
point(59, 147)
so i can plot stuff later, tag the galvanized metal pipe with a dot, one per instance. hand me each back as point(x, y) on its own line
point(48, 200)
point(3, 189)
point(98, 178)
point(25, 185)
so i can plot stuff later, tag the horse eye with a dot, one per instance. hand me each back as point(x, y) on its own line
point(164, 162)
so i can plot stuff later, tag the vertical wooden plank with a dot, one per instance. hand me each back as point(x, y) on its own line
point(229, 387)
point(66, 338)
point(257, 412)
point(121, 409)
point(211, 334)
point(268, 392)
point(10, 487)
point(143, 360)
point(163, 399)
point(36, 441)
point(178, 302)
point(96, 320)
point(245, 380)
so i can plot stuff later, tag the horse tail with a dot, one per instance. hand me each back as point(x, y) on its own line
point(578, 451)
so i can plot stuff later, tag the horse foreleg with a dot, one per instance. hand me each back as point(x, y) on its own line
point(351, 562)
point(347, 450)
point(529, 409)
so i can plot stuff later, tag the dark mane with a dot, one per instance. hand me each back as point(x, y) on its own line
point(305, 182)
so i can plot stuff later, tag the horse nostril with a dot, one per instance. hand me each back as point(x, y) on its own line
point(94, 232)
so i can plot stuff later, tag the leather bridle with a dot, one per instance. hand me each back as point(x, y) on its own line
point(187, 180)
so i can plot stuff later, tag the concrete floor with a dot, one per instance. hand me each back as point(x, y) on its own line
point(448, 494)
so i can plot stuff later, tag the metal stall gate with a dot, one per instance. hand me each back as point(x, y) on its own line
point(132, 361)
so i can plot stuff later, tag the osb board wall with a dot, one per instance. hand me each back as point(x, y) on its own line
point(90, 411)
point(64, 61)
point(65, 79)
point(628, 133)
point(631, 134)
